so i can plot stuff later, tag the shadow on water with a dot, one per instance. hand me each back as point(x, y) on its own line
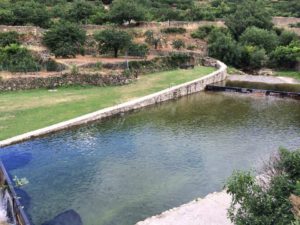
point(16, 160)
point(69, 217)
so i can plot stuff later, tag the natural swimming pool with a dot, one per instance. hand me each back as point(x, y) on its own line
point(124, 169)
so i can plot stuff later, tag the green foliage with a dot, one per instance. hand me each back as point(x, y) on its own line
point(17, 59)
point(8, 38)
point(287, 37)
point(286, 56)
point(261, 38)
point(248, 13)
point(126, 11)
point(202, 32)
point(65, 39)
point(224, 47)
point(265, 204)
point(28, 12)
point(80, 11)
point(152, 39)
point(174, 30)
point(140, 50)
point(176, 60)
point(178, 44)
point(296, 25)
point(112, 40)
point(253, 57)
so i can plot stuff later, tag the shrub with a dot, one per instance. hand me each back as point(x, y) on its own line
point(153, 39)
point(253, 57)
point(261, 38)
point(65, 39)
point(265, 203)
point(191, 47)
point(202, 32)
point(140, 50)
point(17, 59)
point(286, 56)
point(178, 59)
point(174, 30)
point(296, 25)
point(287, 37)
point(178, 44)
point(8, 38)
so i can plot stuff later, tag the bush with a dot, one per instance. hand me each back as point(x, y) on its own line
point(176, 60)
point(178, 44)
point(202, 32)
point(152, 39)
point(140, 50)
point(296, 25)
point(8, 38)
point(174, 30)
point(253, 57)
point(286, 56)
point(265, 203)
point(261, 38)
point(17, 59)
point(287, 37)
point(65, 39)
point(224, 47)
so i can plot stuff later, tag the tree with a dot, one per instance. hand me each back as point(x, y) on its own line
point(80, 11)
point(253, 57)
point(224, 47)
point(126, 11)
point(248, 13)
point(286, 56)
point(266, 202)
point(287, 37)
point(30, 12)
point(8, 38)
point(65, 39)
point(261, 38)
point(153, 39)
point(112, 40)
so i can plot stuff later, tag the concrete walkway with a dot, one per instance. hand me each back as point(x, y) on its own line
point(263, 79)
point(211, 210)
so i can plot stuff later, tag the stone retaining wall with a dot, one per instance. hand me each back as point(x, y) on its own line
point(164, 95)
point(67, 79)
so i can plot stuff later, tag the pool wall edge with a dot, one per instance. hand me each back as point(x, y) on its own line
point(161, 96)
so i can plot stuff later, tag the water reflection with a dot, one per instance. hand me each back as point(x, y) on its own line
point(125, 169)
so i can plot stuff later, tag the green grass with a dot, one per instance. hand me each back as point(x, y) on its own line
point(288, 73)
point(26, 111)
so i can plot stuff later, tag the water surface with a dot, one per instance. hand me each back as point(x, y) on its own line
point(122, 170)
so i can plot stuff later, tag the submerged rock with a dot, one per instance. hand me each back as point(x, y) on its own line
point(69, 217)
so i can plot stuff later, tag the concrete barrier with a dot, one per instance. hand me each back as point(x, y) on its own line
point(161, 96)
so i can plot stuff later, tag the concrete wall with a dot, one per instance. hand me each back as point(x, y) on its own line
point(167, 94)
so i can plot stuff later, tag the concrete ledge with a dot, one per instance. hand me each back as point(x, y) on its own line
point(211, 210)
point(161, 96)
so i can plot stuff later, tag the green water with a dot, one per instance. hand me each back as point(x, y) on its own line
point(122, 170)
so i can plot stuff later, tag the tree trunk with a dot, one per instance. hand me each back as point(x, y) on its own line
point(116, 52)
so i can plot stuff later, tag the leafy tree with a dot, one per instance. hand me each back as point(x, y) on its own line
point(140, 50)
point(80, 11)
point(153, 39)
point(30, 12)
point(113, 40)
point(287, 37)
point(248, 13)
point(15, 58)
point(126, 11)
point(253, 57)
point(261, 203)
point(261, 38)
point(286, 56)
point(178, 44)
point(8, 38)
point(224, 47)
point(65, 39)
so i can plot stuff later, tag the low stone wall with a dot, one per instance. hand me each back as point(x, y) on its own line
point(30, 82)
point(167, 94)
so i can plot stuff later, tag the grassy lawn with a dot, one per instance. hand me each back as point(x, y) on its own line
point(288, 73)
point(26, 111)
